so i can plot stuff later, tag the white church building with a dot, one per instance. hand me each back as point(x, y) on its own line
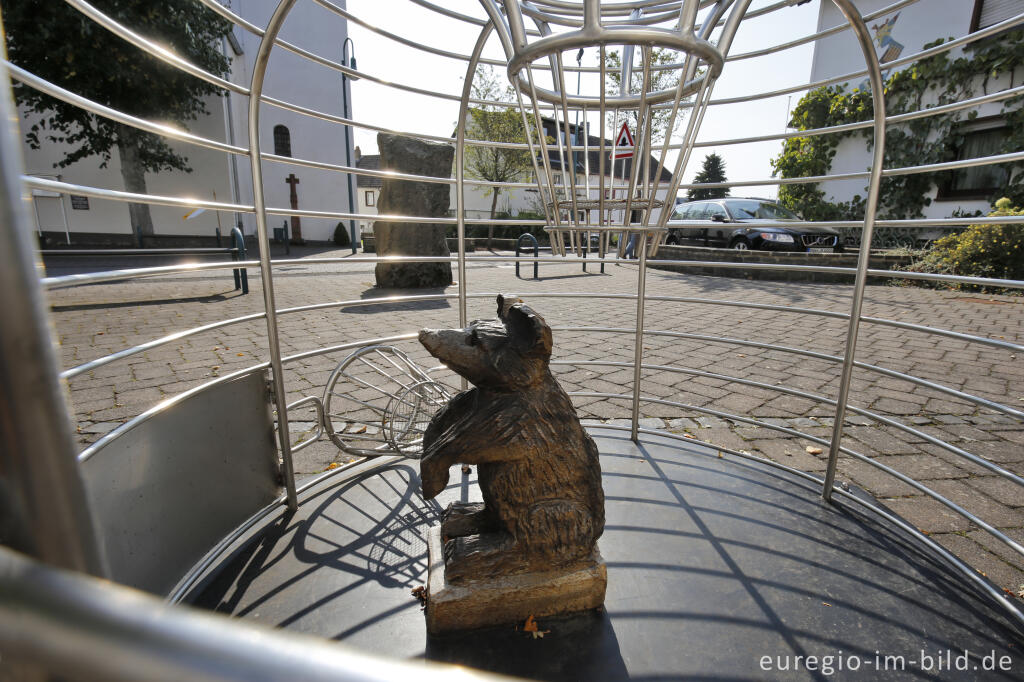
point(221, 176)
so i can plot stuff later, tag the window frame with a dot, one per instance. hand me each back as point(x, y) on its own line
point(281, 133)
point(370, 197)
point(944, 188)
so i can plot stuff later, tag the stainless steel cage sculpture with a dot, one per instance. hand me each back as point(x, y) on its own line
point(41, 455)
point(592, 25)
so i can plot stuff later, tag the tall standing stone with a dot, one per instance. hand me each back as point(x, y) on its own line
point(421, 199)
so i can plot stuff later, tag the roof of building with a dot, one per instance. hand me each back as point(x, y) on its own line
point(623, 167)
point(369, 162)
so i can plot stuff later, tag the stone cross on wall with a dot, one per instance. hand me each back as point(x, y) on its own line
point(294, 198)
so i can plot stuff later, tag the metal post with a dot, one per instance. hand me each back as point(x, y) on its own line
point(638, 350)
point(877, 159)
point(45, 510)
point(64, 216)
point(241, 274)
point(348, 135)
point(259, 201)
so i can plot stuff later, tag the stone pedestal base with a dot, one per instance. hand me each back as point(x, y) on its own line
point(510, 599)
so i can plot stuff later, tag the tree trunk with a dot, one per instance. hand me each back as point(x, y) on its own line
point(134, 177)
point(490, 228)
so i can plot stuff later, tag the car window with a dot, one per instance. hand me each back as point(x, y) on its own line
point(696, 211)
point(766, 210)
point(715, 209)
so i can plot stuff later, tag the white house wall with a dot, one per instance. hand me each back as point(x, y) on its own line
point(918, 24)
point(290, 78)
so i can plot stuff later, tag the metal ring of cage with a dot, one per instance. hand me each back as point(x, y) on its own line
point(522, 53)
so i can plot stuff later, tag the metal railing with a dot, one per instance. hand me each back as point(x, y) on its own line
point(59, 532)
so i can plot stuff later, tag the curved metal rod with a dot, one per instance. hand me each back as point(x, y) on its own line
point(895, 64)
point(967, 397)
point(129, 197)
point(274, 345)
point(874, 416)
point(99, 362)
point(1010, 542)
point(972, 575)
point(78, 627)
point(460, 168)
point(877, 160)
point(92, 278)
point(45, 503)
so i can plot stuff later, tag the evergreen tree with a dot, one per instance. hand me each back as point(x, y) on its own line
point(58, 43)
point(712, 172)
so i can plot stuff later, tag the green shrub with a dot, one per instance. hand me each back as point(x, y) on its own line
point(341, 237)
point(995, 251)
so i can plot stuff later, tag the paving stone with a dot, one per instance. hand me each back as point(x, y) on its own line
point(803, 421)
point(983, 506)
point(100, 428)
point(922, 467)
point(1000, 548)
point(710, 422)
point(986, 563)
point(651, 423)
point(879, 440)
point(928, 515)
point(682, 424)
point(998, 488)
point(788, 453)
point(874, 480)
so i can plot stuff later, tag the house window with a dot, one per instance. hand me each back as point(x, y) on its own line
point(980, 138)
point(990, 12)
point(282, 141)
point(370, 198)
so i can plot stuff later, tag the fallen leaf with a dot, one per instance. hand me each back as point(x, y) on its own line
point(421, 594)
point(812, 450)
point(1020, 592)
point(241, 354)
point(530, 625)
point(333, 465)
point(720, 455)
point(689, 435)
point(826, 603)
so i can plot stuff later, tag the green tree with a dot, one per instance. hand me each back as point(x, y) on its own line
point(56, 42)
point(713, 171)
point(495, 124)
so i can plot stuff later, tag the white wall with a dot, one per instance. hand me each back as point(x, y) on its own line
point(289, 78)
point(918, 24)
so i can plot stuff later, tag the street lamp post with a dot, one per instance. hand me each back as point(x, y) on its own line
point(350, 62)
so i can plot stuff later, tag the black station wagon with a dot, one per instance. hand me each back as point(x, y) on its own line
point(747, 224)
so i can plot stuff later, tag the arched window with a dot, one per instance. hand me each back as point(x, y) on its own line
point(282, 141)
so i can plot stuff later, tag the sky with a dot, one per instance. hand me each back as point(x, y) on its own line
point(395, 109)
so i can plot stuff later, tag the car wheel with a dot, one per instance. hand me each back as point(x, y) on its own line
point(740, 244)
point(671, 241)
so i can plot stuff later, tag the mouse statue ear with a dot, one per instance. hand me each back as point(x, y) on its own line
point(528, 332)
point(504, 303)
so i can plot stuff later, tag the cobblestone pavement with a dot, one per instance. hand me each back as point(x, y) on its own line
point(95, 320)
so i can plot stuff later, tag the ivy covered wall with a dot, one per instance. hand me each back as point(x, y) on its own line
point(980, 68)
